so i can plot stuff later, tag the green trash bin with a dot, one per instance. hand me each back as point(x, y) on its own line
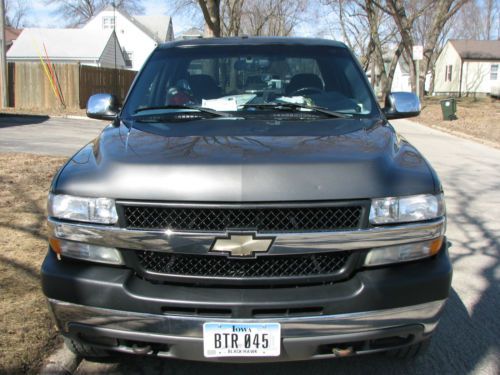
point(449, 109)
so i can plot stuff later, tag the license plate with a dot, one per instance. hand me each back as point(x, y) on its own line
point(241, 340)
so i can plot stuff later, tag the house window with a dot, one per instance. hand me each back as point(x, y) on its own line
point(108, 22)
point(128, 58)
point(448, 72)
point(494, 72)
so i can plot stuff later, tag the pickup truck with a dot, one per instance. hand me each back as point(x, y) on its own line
point(248, 202)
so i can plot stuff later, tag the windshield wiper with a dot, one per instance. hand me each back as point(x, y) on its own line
point(191, 108)
point(296, 106)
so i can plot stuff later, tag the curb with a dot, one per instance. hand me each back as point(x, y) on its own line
point(61, 362)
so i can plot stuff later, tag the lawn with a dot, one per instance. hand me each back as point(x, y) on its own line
point(26, 330)
point(477, 118)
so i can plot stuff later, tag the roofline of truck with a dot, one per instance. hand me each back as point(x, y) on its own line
point(253, 41)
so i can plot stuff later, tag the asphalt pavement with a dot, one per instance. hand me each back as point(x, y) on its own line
point(468, 338)
point(46, 135)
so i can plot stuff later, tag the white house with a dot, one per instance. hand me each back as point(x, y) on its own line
point(401, 78)
point(95, 48)
point(468, 67)
point(138, 35)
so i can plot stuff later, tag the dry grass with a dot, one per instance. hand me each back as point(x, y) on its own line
point(46, 112)
point(478, 118)
point(26, 330)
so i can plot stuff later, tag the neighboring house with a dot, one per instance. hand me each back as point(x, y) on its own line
point(11, 35)
point(95, 48)
point(468, 67)
point(192, 33)
point(138, 35)
point(401, 79)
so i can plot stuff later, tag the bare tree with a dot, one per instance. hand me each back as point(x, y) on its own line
point(372, 35)
point(78, 12)
point(478, 19)
point(250, 17)
point(16, 13)
point(405, 13)
point(272, 17)
point(231, 14)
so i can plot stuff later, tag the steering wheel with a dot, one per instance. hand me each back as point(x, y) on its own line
point(306, 90)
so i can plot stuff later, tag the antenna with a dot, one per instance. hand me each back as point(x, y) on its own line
point(114, 43)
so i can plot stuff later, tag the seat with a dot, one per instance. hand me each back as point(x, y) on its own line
point(303, 80)
point(204, 86)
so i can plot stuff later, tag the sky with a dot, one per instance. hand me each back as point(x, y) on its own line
point(42, 15)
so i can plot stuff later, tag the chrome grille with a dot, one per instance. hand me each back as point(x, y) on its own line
point(262, 219)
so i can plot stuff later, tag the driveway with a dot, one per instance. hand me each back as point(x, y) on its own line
point(468, 338)
point(46, 135)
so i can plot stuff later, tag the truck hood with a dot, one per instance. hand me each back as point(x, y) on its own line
point(232, 162)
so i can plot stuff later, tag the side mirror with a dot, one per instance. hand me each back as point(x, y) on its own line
point(401, 105)
point(103, 107)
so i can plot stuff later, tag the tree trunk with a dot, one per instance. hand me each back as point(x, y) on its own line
point(211, 14)
point(386, 89)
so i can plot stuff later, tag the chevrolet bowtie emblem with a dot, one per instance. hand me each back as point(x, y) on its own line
point(242, 245)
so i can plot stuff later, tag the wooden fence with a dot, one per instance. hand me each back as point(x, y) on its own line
point(29, 87)
point(97, 80)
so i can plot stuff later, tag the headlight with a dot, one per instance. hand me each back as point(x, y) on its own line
point(403, 253)
point(85, 251)
point(92, 210)
point(406, 209)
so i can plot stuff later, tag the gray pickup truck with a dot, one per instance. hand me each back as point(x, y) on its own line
point(248, 202)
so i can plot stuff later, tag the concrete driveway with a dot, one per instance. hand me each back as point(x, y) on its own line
point(468, 338)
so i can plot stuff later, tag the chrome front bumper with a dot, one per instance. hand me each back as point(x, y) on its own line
point(302, 336)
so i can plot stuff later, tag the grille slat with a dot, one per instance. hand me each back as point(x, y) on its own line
point(269, 267)
point(265, 219)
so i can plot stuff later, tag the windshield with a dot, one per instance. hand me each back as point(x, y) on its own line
point(255, 79)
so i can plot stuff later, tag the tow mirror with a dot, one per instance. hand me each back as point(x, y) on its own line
point(103, 107)
point(401, 105)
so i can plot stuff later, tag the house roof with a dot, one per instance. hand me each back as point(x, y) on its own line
point(11, 34)
point(477, 49)
point(61, 44)
point(154, 26)
point(192, 32)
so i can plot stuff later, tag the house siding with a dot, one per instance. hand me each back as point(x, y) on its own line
point(131, 38)
point(476, 77)
point(448, 57)
point(468, 76)
point(107, 59)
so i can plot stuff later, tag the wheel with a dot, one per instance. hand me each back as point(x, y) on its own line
point(85, 350)
point(410, 351)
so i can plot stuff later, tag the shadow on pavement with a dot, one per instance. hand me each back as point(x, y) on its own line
point(10, 119)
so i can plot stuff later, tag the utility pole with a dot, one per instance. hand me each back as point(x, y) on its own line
point(3, 59)
point(418, 54)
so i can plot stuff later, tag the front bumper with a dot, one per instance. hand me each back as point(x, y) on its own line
point(376, 309)
point(303, 338)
